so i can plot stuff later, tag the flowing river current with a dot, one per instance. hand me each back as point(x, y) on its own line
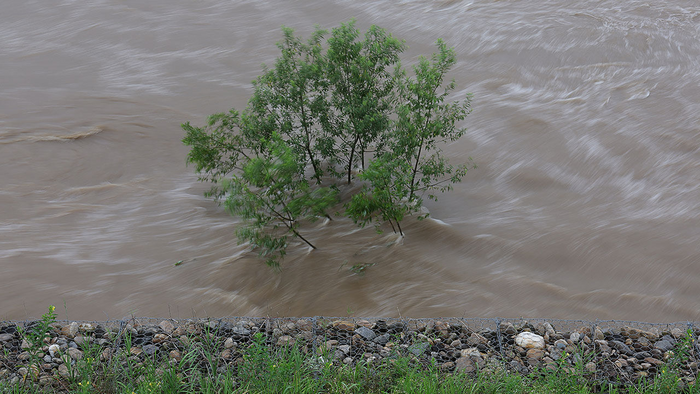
point(586, 131)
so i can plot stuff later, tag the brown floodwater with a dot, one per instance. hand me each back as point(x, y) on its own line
point(586, 130)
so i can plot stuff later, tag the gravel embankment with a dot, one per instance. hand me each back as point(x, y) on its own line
point(620, 354)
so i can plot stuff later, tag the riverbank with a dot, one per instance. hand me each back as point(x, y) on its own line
point(104, 357)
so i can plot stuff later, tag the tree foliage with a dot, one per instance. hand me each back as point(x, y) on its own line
point(310, 123)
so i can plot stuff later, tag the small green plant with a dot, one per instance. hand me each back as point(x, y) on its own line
point(35, 340)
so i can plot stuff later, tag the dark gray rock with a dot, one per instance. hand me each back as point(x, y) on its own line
point(382, 339)
point(642, 355)
point(418, 348)
point(150, 349)
point(664, 345)
point(621, 347)
point(366, 333)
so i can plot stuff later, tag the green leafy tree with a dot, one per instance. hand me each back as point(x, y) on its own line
point(412, 162)
point(317, 112)
point(291, 98)
point(272, 195)
point(362, 79)
point(259, 178)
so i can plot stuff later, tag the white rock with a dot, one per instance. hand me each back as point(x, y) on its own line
point(472, 351)
point(529, 340)
point(53, 350)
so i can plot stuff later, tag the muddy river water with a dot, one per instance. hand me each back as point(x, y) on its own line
point(586, 131)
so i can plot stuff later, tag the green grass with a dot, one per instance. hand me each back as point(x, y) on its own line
point(257, 367)
point(295, 369)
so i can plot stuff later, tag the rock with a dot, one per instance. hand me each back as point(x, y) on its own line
point(45, 380)
point(175, 355)
point(441, 327)
point(418, 348)
point(642, 355)
point(348, 360)
point(229, 343)
point(135, 351)
point(603, 346)
point(24, 356)
point(240, 331)
point(560, 344)
point(621, 347)
point(344, 348)
point(6, 337)
point(226, 354)
point(150, 349)
point(63, 371)
point(548, 329)
point(331, 343)
point(663, 345)
point(447, 366)
point(470, 352)
point(575, 337)
point(507, 328)
point(79, 340)
point(365, 333)
point(284, 340)
point(653, 361)
point(48, 358)
point(70, 330)
point(529, 340)
point(167, 326)
point(598, 334)
point(477, 339)
point(365, 323)
point(341, 325)
point(304, 325)
point(382, 339)
point(456, 343)
point(106, 354)
point(23, 372)
point(75, 354)
point(467, 364)
point(535, 354)
point(621, 363)
point(159, 338)
point(25, 344)
point(86, 328)
point(590, 367)
point(677, 333)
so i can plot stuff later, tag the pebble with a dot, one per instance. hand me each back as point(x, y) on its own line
point(344, 325)
point(175, 355)
point(54, 350)
point(382, 339)
point(75, 354)
point(529, 340)
point(70, 330)
point(166, 326)
point(366, 333)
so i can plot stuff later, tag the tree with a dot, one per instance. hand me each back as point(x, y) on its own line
point(412, 163)
point(312, 118)
point(362, 77)
point(259, 178)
